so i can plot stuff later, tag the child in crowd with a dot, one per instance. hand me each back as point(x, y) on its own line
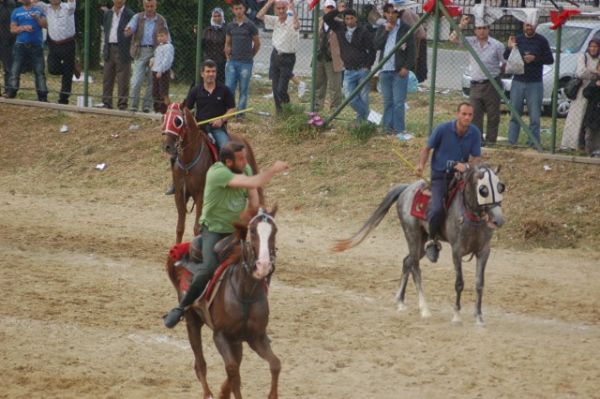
point(161, 70)
point(591, 121)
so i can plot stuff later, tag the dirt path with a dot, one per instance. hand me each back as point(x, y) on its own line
point(84, 289)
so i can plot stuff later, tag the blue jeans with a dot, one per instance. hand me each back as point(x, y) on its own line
point(239, 73)
point(436, 213)
point(141, 74)
point(394, 88)
point(35, 53)
point(220, 135)
point(533, 93)
point(360, 102)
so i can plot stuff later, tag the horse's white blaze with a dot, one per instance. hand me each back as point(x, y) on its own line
point(263, 263)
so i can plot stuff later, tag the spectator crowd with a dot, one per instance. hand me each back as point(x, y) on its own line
point(138, 56)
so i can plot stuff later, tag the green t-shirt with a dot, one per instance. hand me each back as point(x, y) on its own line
point(222, 204)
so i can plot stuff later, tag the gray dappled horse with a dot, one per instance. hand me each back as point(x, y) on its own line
point(240, 308)
point(472, 216)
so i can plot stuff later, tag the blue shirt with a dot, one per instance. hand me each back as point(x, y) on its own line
point(449, 146)
point(22, 17)
point(390, 64)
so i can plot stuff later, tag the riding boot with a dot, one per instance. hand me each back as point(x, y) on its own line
point(171, 190)
point(195, 289)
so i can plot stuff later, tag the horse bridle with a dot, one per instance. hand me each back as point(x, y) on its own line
point(248, 255)
point(480, 215)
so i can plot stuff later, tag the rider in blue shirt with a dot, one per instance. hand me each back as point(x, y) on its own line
point(27, 22)
point(455, 144)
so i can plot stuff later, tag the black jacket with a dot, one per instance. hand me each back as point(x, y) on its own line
point(360, 52)
point(592, 112)
point(123, 41)
point(402, 58)
point(6, 8)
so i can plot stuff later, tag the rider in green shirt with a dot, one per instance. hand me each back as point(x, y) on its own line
point(230, 185)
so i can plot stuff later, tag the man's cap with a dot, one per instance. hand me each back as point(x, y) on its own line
point(329, 3)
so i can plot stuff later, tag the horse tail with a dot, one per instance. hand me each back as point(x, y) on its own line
point(251, 162)
point(373, 221)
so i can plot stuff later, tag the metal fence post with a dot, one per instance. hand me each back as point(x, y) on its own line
point(200, 24)
point(86, 53)
point(556, 87)
point(436, 34)
point(313, 84)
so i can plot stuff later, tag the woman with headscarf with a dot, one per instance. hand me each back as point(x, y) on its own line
point(572, 138)
point(213, 42)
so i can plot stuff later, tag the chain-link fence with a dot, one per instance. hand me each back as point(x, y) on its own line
point(118, 80)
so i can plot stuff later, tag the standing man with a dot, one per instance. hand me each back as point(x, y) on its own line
point(27, 22)
point(241, 45)
point(330, 66)
point(536, 53)
point(143, 29)
point(285, 44)
point(455, 145)
point(7, 39)
point(61, 43)
point(482, 94)
point(358, 54)
point(394, 73)
point(117, 60)
point(229, 186)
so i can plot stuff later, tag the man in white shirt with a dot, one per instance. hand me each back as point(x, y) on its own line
point(285, 40)
point(61, 42)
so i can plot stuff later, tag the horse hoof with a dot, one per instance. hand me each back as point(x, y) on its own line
point(401, 307)
point(479, 321)
point(456, 319)
point(425, 314)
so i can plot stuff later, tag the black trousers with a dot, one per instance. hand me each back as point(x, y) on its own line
point(6, 59)
point(61, 61)
point(281, 71)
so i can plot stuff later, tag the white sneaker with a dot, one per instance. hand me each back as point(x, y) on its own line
point(301, 89)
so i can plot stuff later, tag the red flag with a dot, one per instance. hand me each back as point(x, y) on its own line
point(559, 18)
point(313, 4)
point(453, 10)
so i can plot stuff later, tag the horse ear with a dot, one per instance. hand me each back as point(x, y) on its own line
point(274, 210)
point(498, 169)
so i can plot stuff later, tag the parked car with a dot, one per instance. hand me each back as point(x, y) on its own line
point(575, 38)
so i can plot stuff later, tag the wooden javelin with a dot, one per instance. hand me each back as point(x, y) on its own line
point(407, 163)
point(224, 116)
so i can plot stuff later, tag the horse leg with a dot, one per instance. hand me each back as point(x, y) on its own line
point(416, 273)
point(232, 356)
point(479, 283)
point(262, 347)
point(458, 284)
point(194, 329)
point(406, 268)
point(180, 204)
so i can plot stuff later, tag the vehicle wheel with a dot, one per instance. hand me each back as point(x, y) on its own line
point(563, 104)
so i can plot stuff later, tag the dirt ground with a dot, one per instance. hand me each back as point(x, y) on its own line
point(84, 290)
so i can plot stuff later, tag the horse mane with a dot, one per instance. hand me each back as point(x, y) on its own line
point(192, 125)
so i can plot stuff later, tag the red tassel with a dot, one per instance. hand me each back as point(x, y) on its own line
point(452, 9)
point(313, 4)
point(559, 18)
point(178, 250)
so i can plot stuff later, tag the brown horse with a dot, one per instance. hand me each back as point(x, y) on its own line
point(192, 149)
point(240, 309)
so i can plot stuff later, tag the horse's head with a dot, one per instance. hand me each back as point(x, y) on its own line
point(260, 238)
point(484, 193)
point(177, 123)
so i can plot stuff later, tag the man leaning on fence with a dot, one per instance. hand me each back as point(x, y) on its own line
point(358, 54)
point(117, 60)
point(482, 94)
point(27, 22)
point(285, 26)
point(330, 66)
point(61, 43)
point(528, 87)
point(143, 28)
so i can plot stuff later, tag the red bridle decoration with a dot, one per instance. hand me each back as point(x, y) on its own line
point(452, 9)
point(313, 4)
point(173, 119)
point(559, 18)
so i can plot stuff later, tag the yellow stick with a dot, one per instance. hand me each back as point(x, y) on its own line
point(407, 163)
point(224, 116)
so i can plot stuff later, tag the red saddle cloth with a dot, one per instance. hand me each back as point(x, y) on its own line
point(213, 150)
point(420, 204)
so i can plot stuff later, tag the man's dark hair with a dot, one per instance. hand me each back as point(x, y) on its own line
point(463, 103)
point(238, 3)
point(387, 6)
point(349, 11)
point(208, 63)
point(228, 151)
